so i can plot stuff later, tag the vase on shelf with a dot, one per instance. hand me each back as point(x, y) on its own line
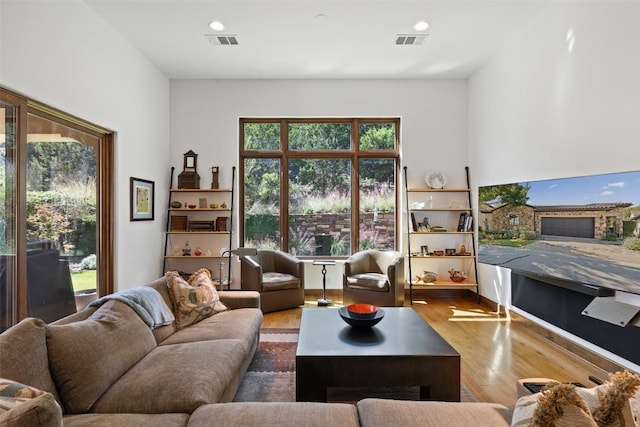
point(186, 249)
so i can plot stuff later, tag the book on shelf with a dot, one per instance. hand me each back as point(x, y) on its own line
point(468, 223)
point(465, 222)
point(462, 221)
point(414, 224)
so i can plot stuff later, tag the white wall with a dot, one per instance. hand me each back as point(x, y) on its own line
point(561, 100)
point(60, 53)
point(205, 113)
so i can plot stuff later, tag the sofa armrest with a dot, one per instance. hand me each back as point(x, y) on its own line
point(240, 299)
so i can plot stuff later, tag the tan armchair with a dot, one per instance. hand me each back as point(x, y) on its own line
point(278, 276)
point(374, 277)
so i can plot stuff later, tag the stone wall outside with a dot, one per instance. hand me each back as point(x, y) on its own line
point(338, 225)
point(498, 220)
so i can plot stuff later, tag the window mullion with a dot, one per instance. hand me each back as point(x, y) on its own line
point(284, 186)
point(355, 204)
point(21, 209)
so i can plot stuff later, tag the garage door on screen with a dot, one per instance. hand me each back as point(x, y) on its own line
point(569, 227)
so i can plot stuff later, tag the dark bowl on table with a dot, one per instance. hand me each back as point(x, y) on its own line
point(362, 311)
point(358, 322)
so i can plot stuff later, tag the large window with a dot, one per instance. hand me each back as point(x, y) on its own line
point(315, 187)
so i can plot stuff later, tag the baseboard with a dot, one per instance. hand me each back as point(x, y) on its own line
point(601, 362)
point(336, 295)
point(443, 293)
point(332, 294)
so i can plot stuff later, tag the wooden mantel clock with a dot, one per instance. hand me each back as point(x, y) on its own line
point(189, 177)
point(215, 184)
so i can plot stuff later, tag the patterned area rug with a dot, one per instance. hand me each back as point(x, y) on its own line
point(271, 376)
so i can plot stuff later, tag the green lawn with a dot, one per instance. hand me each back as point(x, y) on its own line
point(513, 243)
point(85, 279)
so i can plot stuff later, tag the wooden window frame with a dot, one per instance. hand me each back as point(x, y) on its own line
point(354, 154)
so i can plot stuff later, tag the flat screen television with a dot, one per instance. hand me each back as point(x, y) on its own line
point(584, 230)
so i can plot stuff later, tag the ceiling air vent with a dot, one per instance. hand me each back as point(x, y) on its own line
point(410, 39)
point(222, 39)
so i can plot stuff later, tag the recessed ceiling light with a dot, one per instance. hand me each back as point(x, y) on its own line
point(421, 26)
point(216, 25)
point(321, 17)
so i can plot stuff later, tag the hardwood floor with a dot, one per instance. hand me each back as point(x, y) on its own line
point(495, 350)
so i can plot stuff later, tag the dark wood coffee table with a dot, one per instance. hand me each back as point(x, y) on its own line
point(401, 350)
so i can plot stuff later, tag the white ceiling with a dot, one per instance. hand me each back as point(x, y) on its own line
point(283, 39)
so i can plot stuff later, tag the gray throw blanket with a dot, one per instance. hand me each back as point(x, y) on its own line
point(146, 302)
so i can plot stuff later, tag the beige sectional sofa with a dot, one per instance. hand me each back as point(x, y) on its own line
point(366, 413)
point(105, 360)
point(104, 366)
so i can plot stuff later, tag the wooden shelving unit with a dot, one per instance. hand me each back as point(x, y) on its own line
point(454, 233)
point(210, 242)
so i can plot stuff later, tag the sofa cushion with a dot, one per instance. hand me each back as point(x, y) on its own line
point(387, 412)
point(22, 405)
point(126, 420)
point(243, 324)
point(193, 300)
point(164, 332)
point(75, 317)
point(281, 414)
point(86, 357)
point(29, 337)
point(240, 299)
point(177, 378)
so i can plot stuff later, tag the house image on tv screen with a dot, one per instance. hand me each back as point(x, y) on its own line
point(583, 229)
point(591, 221)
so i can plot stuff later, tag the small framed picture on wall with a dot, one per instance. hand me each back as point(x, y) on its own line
point(142, 199)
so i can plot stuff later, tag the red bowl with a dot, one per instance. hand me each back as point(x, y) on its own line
point(457, 279)
point(362, 311)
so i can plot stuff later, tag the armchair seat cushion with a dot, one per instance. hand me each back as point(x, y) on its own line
point(273, 281)
point(368, 281)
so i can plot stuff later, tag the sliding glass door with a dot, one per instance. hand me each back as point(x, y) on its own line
point(56, 218)
point(61, 217)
